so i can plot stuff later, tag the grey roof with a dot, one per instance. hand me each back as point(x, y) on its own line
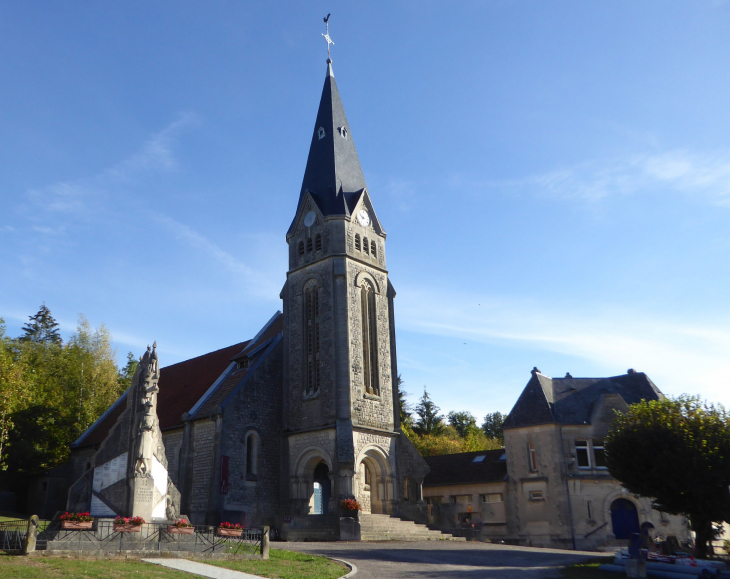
point(572, 400)
point(453, 469)
point(333, 175)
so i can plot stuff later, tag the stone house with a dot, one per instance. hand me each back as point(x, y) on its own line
point(278, 429)
point(550, 486)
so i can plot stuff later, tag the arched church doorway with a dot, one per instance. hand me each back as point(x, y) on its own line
point(624, 518)
point(374, 484)
point(321, 490)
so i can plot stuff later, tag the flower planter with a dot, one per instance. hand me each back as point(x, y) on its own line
point(349, 513)
point(229, 532)
point(76, 525)
point(127, 528)
point(173, 530)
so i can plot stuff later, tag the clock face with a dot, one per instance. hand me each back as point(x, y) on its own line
point(363, 218)
point(309, 219)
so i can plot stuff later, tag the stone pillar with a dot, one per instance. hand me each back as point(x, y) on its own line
point(31, 535)
point(346, 476)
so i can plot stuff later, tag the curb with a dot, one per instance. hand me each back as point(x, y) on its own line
point(353, 569)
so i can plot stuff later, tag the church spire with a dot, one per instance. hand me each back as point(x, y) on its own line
point(333, 175)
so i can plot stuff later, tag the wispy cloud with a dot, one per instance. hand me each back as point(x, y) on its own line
point(704, 175)
point(256, 281)
point(77, 196)
point(680, 356)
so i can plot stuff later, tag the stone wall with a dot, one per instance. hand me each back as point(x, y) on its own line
point(255, 410)
point(172, 439)
point(202, 468)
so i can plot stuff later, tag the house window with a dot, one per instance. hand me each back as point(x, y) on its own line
point(357, 242)
point(532, 457)
point(405, 488)
point(599, 454)
point(301, 248)
point(311, 338)
point(242, 363)
point(318, 242)
point(492, 498)
point(309, 245)
point(365, 245)
point(434, 500)
point(321, 133)
point(537, 496)
point(369, 340)
point(373, 249)
point(461, 499)
point(581, 454)
point(251, 457)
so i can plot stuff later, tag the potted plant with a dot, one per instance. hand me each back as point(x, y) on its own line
point(230, 530)
point(350, 508)
point(181, 527)
point(76, 521)
point(128, 524)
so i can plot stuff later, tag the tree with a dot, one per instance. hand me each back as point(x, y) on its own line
point(676, 451)
point(13, 391)
point(41, 328)
point(493, 424)
point(463, 422)
point(429, 420)
point(126, 374)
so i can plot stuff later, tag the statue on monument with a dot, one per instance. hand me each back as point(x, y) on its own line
point(147, 414)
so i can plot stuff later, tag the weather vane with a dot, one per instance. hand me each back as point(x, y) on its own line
point(327, 36)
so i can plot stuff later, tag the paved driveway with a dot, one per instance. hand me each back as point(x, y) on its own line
point(444, 559)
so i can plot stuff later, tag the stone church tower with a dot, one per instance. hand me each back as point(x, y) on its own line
point(340, 392)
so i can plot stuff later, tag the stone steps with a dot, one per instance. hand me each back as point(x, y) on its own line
point(387, 528)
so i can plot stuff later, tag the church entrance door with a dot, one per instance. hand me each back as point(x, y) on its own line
point(624, 518)
point(321, 490)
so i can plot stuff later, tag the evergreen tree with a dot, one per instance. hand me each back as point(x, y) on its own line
point(463, 422)
point(406, 420)
point(493, 425)
point(429, 420)
point(127, 373)
point(42, 328)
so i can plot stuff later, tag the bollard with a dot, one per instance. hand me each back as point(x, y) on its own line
point(265, 544)
point(30, 535)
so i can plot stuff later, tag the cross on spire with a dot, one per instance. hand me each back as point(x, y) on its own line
point(327, 36)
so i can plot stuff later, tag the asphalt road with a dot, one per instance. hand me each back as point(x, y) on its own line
point(444, 559)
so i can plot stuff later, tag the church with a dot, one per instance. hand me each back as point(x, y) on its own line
point(283, 426)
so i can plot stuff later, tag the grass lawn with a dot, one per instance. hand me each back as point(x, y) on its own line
point(589, 570)
point(281, 565)
point(289, 565)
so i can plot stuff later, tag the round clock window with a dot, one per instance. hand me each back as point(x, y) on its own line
point(309, 219)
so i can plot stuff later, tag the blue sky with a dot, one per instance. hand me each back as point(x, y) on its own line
point(554, 178)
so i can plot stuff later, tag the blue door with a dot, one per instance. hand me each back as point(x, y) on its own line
point(624, 518)
point(317, 499)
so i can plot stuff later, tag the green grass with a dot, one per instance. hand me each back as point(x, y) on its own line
point(589, 570)
point(288, 565)
point(281, 565)
point(17, 567)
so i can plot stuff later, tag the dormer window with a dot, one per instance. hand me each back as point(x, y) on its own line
point(321, 133)
point(318, 242)
point(357, 242)
point(373, 250)
point(242, 363)
point(343, 132)
point(365, 246)
point(301, 248)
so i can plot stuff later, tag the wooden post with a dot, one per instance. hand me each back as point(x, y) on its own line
point(265, 544)
point(30, 536)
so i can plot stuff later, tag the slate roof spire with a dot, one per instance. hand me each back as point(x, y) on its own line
point(333, 175)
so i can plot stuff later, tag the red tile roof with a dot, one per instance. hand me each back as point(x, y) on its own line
point(181, 386)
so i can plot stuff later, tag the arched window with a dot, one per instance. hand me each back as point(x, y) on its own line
point(365, 246)
point(251, 456)
point(311, 338)
point(373, 249)
point(309, 245)
point(357, 242)
point(318, 242)
point(301, 248)
point(369, 340)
